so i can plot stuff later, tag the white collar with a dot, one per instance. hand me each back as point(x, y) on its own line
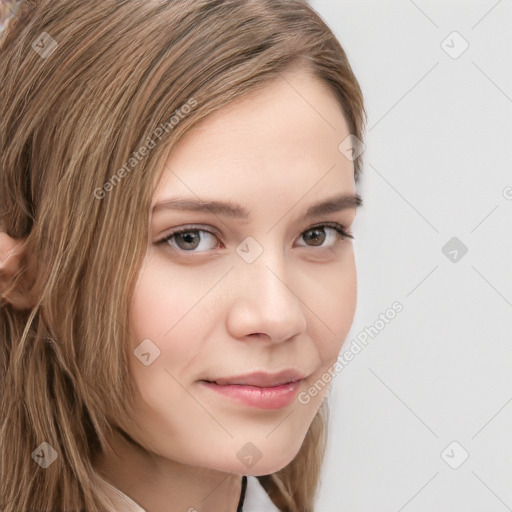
point(256, 498)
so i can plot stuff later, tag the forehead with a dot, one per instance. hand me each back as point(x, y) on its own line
point(279, 140)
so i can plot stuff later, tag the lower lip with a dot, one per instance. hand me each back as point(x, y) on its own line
point(264, 398)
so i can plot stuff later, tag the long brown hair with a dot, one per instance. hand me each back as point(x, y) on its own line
point(84, 85)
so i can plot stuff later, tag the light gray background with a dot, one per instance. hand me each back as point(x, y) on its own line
point(437, 165)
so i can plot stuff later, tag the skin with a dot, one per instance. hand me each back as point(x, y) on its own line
point(212, 314)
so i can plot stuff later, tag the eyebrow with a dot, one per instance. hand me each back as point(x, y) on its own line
point(331, 205)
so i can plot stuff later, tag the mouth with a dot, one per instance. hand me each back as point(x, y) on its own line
point(261, 379)
point(259, 389)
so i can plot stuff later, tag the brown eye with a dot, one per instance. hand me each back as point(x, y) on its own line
point(318, 235)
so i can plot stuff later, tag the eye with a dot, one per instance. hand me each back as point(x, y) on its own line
point(189, 239)
point(332, 232)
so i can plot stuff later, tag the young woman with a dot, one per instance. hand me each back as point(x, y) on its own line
point(176, 266)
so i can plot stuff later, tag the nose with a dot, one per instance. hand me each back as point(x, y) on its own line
point(264, 301)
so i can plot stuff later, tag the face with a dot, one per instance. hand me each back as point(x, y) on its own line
point(272, 293)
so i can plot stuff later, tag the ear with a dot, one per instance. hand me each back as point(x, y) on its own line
point(12, 255)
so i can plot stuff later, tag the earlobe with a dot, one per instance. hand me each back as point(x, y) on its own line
point(12, 252)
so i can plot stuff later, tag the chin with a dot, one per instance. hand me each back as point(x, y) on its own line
point(269, 467)
point(273, 459)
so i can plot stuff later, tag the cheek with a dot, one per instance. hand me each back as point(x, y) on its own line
point(334, 305)
point(162, 299)
point(335, 300)
point(163, 323)
point(163, 336)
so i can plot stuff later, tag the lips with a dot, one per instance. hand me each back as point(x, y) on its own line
point(262, 390)
point(261, 379)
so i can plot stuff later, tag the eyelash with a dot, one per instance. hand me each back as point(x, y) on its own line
point(333, 225)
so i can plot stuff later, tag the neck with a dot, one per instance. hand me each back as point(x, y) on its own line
point(159, 484)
